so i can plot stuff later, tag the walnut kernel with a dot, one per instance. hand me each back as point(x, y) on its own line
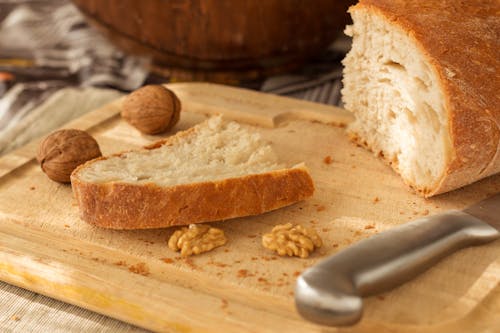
point(196, 239)
point(63, 150)
point(152, 109)
point(287, 239)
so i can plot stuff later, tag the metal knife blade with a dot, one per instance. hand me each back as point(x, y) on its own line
point(330, 293)
point(487, 211)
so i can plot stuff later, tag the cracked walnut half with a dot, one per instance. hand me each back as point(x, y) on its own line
point(196, 239)
point(287, 239)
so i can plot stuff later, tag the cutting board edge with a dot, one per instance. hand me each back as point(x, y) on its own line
point(16, 268)
point(29, 149)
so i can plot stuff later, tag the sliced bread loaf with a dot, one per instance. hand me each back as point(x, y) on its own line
point(422, 81)
point(213, 171)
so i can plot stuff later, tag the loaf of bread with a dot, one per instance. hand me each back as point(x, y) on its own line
point(213, 171)
point(422, 79)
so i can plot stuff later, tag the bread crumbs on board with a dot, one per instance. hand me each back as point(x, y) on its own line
point(242, 273)
point(139, 268)
point(218, 264)
point(167, 260)
point(263, 281)
point(191, 263)
point(320, 208)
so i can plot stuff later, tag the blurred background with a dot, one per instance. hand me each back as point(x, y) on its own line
point(61, 58)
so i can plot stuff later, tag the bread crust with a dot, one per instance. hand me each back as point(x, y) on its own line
point(121, 205)
point(129, 206)
point(460, 41)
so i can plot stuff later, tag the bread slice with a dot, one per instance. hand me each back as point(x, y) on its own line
point(422, 81)
point(213, 171)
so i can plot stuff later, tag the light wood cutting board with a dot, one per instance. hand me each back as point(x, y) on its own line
point(241, 287)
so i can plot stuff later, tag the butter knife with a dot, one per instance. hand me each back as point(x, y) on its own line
point(330, 293)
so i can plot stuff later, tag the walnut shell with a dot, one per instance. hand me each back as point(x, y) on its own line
point(63, 150)
point(152, 109)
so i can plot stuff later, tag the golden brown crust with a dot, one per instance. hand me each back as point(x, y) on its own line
point(117, 205)
point(130, 206)
point(460, 40)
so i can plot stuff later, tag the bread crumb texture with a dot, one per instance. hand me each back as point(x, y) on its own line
point(196, 239)
point(214, 171)
point(292, 240)
point(422, 83)
point(212, 151)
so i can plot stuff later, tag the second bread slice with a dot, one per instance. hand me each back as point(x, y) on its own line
point(213, 171)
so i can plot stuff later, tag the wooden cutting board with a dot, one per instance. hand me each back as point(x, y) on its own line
point(241, 287)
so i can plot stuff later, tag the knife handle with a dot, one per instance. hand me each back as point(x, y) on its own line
point(330, 292)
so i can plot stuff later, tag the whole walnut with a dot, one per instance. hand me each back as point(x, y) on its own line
point(63, 150)
point(152, 109)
